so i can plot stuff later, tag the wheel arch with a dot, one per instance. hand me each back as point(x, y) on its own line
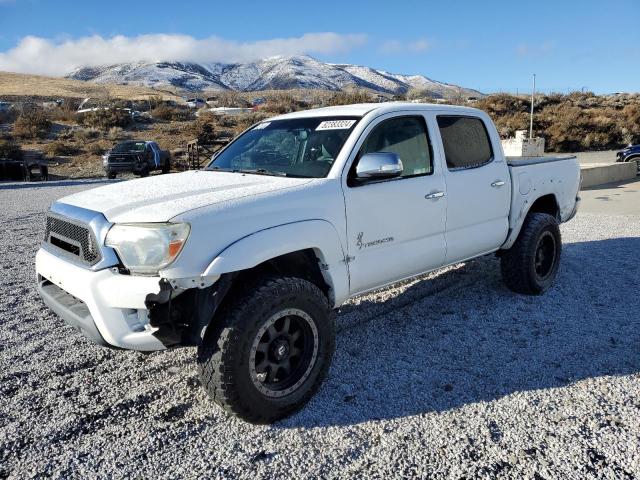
point(547, 203)
point(308, 249)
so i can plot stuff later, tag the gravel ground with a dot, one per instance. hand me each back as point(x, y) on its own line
point(454, 376)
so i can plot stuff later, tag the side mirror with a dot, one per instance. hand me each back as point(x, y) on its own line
point(378, 165)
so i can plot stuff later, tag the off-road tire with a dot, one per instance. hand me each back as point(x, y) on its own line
point(144, 171)
point(225, 353)
point(166, 168)
point(518, 264)
point(111, 175)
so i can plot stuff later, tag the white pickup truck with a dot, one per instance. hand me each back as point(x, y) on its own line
point(247, 258)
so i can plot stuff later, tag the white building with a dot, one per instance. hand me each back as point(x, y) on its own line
point(522, 146)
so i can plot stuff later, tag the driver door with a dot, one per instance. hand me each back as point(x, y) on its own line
point(395, 227)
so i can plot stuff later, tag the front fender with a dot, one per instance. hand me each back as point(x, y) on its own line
point(319, 235)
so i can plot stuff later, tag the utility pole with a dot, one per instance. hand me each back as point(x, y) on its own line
point(533, 92)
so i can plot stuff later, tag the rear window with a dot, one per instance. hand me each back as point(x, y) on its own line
point(466, 142)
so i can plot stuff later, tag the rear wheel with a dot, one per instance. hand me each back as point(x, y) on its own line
point(166, 168)
point(269, 349)
point(530, 266)
point(111, 175)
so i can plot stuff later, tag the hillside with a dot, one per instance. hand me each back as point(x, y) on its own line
point(274, 73)
point(21, 85)
point(569, 123)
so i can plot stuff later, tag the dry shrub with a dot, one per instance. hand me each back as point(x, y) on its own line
point(86, 134)
point(204, 129)
point(10, 150)
point(282, 102)
point(351, 96)
point(154, 101)
point(116, 133)
point(420, 94)
point(98, 148)
point(631, 120)
point(569, 123)
point(59, 148)
point(246, 120)
point(105, 119)
point(166, 112)
point(231, 99)
point(63, 113)
point(31, 124)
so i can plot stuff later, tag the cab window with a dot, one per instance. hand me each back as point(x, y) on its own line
point(405, 136)
point(465, 140)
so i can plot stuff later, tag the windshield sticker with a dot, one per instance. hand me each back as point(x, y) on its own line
point(262, 125)
point(336, 125)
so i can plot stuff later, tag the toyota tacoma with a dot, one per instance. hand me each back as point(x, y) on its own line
point(247, 259)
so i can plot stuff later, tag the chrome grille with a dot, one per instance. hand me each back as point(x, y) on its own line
point(72, 239)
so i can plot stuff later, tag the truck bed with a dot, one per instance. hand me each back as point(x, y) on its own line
point(522, 161)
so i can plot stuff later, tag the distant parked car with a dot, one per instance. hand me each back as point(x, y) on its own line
point(137, 156)
point(195, 103)
point(629, 154)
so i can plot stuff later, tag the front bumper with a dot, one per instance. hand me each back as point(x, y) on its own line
point(108, 307)
point(123, 167)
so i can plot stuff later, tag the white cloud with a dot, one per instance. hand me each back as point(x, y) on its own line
point(58, 57)
point(398, 47)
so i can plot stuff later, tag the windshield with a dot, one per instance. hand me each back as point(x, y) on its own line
point(129, 147)
point(301, 147)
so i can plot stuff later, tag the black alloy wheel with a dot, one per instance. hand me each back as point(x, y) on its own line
point(545, 255)
point(284, 352)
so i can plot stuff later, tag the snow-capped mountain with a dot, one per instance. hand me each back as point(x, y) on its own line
point(274, 73)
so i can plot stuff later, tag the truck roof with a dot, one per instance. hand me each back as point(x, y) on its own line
point(361, 109)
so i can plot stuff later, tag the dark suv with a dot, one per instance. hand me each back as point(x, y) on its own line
point(137, 156)
point(629, 154)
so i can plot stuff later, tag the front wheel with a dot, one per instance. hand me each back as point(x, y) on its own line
point(269, 350)
point(530, 266)
point(111, 175)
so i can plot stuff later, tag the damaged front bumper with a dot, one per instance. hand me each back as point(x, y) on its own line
point(123, 311)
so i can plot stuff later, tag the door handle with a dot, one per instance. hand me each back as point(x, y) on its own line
point(434, 195)
point(497, 184)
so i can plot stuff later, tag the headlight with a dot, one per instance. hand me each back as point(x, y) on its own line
point(147, 247)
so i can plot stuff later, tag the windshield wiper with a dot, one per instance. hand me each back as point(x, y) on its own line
point(255, 171)
point(262, 171)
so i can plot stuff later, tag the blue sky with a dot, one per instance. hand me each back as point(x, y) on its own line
point(488, 45)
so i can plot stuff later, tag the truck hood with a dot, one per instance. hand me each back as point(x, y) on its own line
point(162, 197)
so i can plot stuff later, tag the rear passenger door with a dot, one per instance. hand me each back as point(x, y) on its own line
point(395, 227)
point(478, 188)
